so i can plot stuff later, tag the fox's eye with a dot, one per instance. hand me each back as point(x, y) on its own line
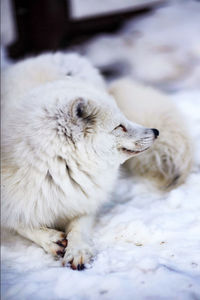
point(122, 127)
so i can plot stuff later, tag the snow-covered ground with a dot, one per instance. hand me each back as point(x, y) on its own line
point(148, 243)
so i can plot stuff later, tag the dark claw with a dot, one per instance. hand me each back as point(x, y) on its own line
point(59, 243)
point(80, 267)
point(62, 243)
point(60, 253)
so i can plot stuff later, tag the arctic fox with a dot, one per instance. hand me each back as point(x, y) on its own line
point(63, 141)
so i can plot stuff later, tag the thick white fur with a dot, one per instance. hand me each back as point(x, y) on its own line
point(62, 145)
point(169, 160)
point(31, 73)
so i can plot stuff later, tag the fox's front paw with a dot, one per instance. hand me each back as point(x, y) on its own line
point(55, 243)
point(77, 254)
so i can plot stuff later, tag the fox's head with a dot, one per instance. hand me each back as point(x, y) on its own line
point(101, 129)
point(90, 122)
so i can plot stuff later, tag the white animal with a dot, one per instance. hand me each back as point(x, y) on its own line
point(63, 141)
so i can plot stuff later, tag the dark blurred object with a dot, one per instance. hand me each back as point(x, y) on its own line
point(49, 25)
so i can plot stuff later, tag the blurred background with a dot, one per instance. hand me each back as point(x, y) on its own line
point(153, 41)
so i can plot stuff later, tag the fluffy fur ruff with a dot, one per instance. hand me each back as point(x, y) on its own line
point(168, 162)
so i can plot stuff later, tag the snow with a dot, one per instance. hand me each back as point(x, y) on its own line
point(147, 242)
point(162, 49)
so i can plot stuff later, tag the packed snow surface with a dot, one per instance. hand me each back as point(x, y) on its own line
point(147, 242)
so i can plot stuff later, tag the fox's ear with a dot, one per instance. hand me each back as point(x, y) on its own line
point(84, 110)
point(78, 108)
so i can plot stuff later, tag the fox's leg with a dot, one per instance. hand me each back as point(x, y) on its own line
point(52, 241)
point(79, 250)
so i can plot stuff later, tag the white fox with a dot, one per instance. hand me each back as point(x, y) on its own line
point(63, 141)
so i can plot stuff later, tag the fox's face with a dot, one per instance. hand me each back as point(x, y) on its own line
point(97, 131)
point(103, 130)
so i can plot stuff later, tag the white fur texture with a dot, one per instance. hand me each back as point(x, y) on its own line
point(45, 68)
point(63, 141)
point(169, 160)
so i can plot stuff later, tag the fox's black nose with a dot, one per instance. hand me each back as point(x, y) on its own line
point(156, 132)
